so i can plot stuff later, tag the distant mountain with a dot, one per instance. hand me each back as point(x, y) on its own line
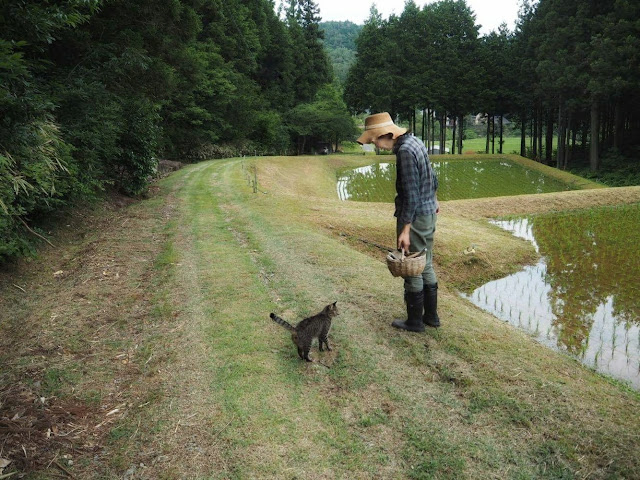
point(340, 44)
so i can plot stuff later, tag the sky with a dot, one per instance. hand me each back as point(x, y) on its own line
point(489, 13)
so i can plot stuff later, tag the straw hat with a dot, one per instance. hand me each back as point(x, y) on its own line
point(377, 125)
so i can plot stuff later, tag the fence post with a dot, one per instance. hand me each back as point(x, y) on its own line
point(255, 179)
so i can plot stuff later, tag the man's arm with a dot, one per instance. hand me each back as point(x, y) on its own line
point(403, 239)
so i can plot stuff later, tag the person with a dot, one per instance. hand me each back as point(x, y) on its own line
point(416, 207)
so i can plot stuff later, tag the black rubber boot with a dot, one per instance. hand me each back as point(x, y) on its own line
point(430, 317)
point(415, 305)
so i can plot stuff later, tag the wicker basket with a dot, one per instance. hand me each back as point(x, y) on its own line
point(409, 266)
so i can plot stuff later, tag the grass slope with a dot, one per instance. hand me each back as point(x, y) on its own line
point(211, 388)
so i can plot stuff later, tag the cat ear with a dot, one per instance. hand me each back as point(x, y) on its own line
point(334, 303)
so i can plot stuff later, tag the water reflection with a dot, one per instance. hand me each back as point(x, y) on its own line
point(458, 179)
point(372, 183)
point(582, 297)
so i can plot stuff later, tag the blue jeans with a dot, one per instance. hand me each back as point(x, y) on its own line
point(421, 236)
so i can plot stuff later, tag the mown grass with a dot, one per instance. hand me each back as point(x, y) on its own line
point(229, 398)
point(510, 145)
point(304, 268)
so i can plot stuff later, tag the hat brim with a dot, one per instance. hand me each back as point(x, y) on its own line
point(368, 136)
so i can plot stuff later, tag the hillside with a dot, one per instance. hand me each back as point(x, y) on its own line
point(339, 42)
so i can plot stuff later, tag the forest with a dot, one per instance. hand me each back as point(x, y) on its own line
point(570, 68)
point(93, 92)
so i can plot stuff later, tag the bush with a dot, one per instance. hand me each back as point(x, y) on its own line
point(34, 177)
point(616, 170)
point(209, 151)
point(137, 142)
point(470, 134)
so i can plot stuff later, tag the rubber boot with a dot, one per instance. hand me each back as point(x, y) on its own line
point(415, 305)
point(430, 317)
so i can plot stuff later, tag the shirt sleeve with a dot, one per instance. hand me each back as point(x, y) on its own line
point(434, 177)
point(408, 175)
point(435, 180)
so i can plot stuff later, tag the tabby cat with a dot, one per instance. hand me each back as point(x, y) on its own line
point(316, 326)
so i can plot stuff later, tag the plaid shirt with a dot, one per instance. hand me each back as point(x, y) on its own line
point(416, 182)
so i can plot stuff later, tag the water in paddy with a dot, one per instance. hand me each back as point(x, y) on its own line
point(457, 179)
point(583, 296)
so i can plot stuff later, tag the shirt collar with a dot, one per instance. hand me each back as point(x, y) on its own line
point(400, 140)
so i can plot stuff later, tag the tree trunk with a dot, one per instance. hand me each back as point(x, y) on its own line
point(561, 136)
point(453, 139)
point(523, 136)
point(540, 123)
point(429, 130)
point(412, 121)
point(619, 123)
point(501, 131)
point(493, 134)
point(584, 135)
point(548, 148)
point(594, 155)
point(441, 135)
point(567, 147)
point(486, 150)
point(433, 130)
point(534, 135)
point(461, 134)
point(574, 136)
point(609, 130)
point(442, 127)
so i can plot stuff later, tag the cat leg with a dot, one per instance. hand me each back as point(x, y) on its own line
point(306, 353)
point(300, 353)
point(324, 339)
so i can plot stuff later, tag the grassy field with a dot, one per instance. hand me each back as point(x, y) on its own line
point(475, 145)
point(141, 345)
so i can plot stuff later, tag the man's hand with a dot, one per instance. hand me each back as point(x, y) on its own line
point(403, 239)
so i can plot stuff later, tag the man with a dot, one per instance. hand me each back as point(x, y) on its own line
point(416, 208)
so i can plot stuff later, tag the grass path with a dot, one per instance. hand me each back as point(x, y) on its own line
point(219, 392)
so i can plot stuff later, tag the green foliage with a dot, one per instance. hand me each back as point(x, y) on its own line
point(325, 119)
point(36, 167)
point(367, 86)
point(340, 34)
point(137, 145)
point(470, 134)
point(566, 63)
point(616, 170)
point(340, 44)
point(91, 96)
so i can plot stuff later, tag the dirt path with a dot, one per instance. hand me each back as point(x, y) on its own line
point(156, 358)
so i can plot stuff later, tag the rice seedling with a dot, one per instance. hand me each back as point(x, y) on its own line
point(458, 179)
point(583, 294)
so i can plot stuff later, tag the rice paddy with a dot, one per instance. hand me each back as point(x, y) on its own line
point(458, 179)
point(583, 296)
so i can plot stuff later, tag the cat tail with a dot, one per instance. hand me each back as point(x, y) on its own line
point(282, 322)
